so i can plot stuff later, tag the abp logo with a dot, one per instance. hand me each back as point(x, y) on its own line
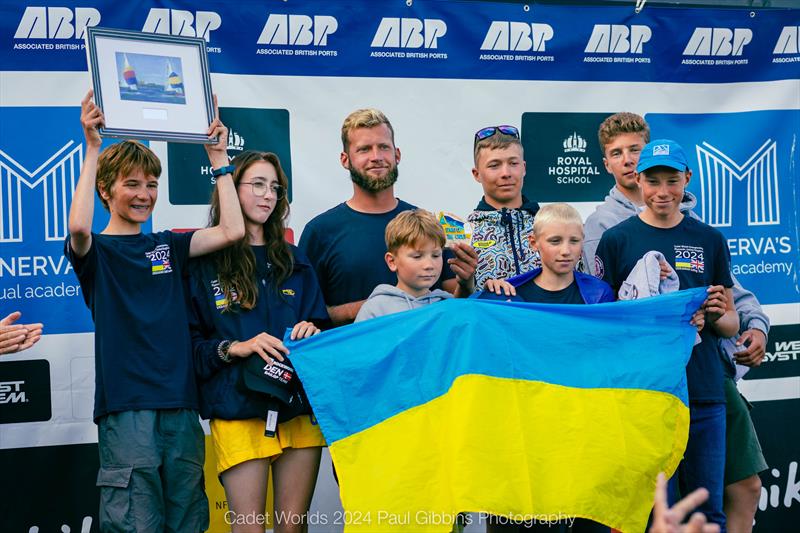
point(39, 22)
point(408, 33)
point(618, 39)
point(182, 23)
point(298, 30)
point(789, 41)
point(517, 36)
point(718, 42)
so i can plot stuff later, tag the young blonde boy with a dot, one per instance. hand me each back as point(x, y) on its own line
point(414, 243)
point(557, 237)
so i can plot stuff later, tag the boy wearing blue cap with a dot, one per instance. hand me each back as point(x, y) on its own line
point(699, 255)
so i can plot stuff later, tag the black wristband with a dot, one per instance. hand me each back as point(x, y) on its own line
point(223, 170)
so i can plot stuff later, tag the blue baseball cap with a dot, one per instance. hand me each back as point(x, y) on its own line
point(662, 153)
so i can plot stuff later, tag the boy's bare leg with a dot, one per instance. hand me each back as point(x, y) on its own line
point(740, 503)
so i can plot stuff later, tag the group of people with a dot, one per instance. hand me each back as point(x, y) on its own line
point(182, 319)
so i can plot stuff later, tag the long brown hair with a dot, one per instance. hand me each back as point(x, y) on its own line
point(236, 264)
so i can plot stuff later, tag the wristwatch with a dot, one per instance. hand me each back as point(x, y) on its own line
point(223, 350)
point(222, 171)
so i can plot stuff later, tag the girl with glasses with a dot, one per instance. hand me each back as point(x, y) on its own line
point(243, 298)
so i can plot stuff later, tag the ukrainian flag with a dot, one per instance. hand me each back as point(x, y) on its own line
point(523, 410)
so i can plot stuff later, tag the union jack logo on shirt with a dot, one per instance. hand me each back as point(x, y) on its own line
point(690, 258)
point(159, 259)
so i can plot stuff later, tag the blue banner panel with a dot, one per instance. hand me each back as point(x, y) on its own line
point(744, 174)
point(37, 180)
point(430, 39)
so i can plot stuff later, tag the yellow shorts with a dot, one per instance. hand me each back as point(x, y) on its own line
point(237, 441)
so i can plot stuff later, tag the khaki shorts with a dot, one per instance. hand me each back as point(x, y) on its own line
point(743, 455)
point(151, 471)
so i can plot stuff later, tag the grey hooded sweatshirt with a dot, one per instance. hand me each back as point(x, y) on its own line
point(388, 299)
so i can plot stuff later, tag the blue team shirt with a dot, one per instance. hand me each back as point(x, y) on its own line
point(700, 256)
point(347, 249)
point(531, 292)
point(133, 286)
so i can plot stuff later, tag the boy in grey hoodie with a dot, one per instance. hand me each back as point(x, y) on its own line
point(414, 242)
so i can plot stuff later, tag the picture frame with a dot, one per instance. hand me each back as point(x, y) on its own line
point(151, 86)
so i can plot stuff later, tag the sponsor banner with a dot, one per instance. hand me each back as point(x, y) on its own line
point(430, 39)
point(25, 391)
point(782, 358)
point(563, 157)
point(41, 154)
point(267, 130)
point(780, 491)
point(744, 174)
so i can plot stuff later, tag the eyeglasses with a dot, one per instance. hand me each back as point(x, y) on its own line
point(260, 189)
point(485, 133)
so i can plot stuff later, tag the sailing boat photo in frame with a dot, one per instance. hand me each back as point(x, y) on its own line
point(151, 86)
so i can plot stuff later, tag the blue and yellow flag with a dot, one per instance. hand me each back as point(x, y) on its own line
point(523, 410)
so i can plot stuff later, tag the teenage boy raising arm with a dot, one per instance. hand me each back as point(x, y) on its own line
point(150, 441)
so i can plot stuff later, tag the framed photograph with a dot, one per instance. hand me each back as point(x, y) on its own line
point(151, 86)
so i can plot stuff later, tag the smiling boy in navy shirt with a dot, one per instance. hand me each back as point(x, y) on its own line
point(699, 255)
point(150, 440)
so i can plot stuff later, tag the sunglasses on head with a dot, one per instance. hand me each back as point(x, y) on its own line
point(485, 133)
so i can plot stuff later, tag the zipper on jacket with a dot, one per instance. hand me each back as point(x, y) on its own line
point(505, 217)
